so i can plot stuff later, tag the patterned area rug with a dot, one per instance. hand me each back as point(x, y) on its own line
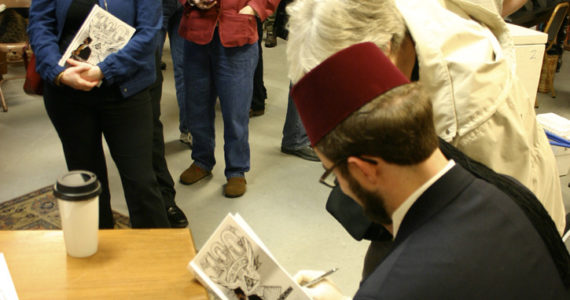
point(38, 210)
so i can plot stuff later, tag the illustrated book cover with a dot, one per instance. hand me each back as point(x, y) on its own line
point(235, 264)
point(100, 35)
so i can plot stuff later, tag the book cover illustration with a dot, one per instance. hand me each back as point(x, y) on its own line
point(100, 35)
point(234, 264)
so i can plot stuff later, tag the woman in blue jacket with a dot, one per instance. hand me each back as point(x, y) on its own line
point(110, 99)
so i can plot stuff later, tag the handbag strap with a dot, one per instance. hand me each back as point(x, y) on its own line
point(25, 55)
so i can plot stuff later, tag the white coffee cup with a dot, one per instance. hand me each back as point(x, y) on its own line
point(77, 194)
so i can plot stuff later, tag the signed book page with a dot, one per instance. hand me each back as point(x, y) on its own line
point(234, 264)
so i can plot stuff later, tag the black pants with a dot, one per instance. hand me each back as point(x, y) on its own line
point(259, 91)
point(165, 181)
point(82, 118)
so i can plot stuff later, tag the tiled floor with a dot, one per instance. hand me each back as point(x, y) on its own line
point(284, 203)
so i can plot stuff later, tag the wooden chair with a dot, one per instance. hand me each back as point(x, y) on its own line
point(550, 61)
point(8, 50)
point(533, 12)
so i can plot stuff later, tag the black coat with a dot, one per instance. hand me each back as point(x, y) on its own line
point(465, 239)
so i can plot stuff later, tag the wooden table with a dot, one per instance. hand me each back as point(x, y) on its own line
point(130, 264)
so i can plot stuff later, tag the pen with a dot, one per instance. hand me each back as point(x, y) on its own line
point(319, 278)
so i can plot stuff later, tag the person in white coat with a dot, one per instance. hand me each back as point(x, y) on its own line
point(466, 61)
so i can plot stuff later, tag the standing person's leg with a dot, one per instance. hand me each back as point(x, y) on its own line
point(271, 39)
point(295, 140)
point(200, 104)
point(281, 20)
point(234, 78)
point(175, 215)
point(77, 124)
point(177, 53)
point(128, 130)
point(259, 91)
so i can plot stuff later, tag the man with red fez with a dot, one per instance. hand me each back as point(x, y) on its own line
point(465, 59)
point(455, 236)
point(463, 55)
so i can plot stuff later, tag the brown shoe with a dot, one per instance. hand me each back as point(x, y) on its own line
point(235, 187)
point(256, 112)
point(193, 174)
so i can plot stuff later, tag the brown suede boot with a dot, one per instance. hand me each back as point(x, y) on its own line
point(193, 174)
point(235, 187)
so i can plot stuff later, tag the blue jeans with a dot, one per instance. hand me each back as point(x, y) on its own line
point(171, 23)
point(294, 134)
point(212, 71)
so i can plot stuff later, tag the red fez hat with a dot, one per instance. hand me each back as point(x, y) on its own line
point(342, 84)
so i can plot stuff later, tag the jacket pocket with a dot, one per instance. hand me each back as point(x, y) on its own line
point(237, 29)
point(198, 26)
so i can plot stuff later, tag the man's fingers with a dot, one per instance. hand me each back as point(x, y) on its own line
point(304, 276)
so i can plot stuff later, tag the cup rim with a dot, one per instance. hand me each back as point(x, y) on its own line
point(74, 191)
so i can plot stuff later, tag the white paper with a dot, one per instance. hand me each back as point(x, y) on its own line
point(7, 289)
point(234, 260)
point(107, 34)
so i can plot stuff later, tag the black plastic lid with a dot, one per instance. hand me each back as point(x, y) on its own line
point(77, 186)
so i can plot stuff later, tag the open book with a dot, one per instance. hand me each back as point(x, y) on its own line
point(235, 264)
point(100, 35)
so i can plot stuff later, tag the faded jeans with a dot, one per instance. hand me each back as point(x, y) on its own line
point(212, 71)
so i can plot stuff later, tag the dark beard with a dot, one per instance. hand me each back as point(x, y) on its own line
point(372, 204)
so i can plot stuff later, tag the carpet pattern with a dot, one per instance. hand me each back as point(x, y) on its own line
point(38, 210)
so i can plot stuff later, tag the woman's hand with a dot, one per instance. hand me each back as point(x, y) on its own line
point(247, 10)
point(203, 4)
point(81, 76)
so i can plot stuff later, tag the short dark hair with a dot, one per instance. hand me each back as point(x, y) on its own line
point(396, 126)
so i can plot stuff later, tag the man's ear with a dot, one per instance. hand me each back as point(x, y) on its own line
point(364, 171)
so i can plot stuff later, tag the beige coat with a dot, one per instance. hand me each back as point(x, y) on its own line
point(467, 63)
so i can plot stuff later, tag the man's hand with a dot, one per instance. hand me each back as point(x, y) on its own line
point(81, 76)
point(203, 4)
point(324, 290)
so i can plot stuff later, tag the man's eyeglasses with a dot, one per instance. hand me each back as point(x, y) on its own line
point(329, 178)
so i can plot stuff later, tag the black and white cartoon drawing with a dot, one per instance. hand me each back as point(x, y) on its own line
point(82, 52)
point(100, 35)
point(236, 265)
point(231, 263)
